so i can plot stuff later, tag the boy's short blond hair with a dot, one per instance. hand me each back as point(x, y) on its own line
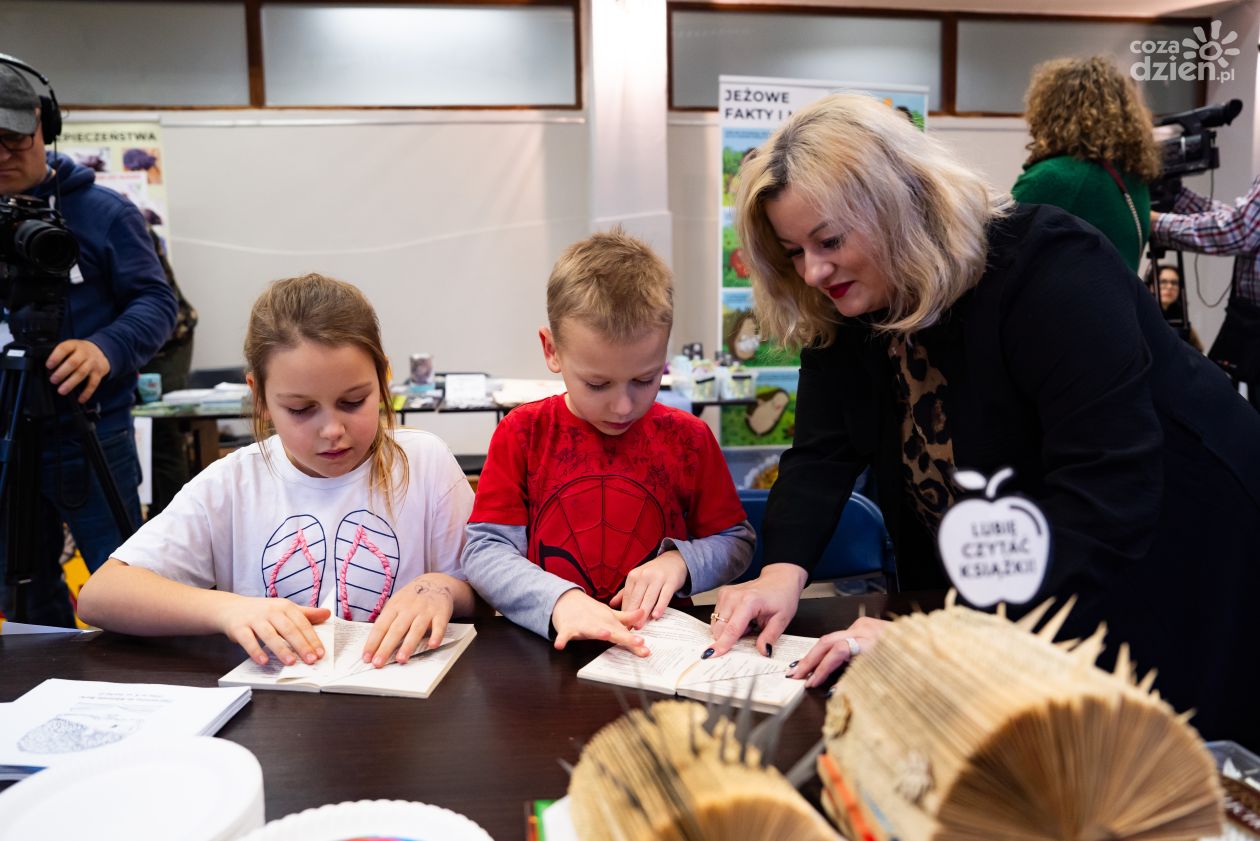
point(613, 283)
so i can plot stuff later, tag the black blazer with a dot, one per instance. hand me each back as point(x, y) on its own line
point(1059, 364)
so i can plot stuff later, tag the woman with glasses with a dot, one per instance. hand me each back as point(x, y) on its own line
point(1168, 288)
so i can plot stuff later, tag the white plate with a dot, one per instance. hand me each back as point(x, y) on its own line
point(196, 787)
point(395, 819)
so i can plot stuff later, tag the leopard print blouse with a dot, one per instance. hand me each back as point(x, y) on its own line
point(927, 451)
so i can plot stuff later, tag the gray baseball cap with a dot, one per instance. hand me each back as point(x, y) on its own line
point(18, 102)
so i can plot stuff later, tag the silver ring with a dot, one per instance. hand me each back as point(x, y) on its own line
point(854, 648)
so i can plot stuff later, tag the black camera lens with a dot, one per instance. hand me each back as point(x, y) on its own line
point(45, 246)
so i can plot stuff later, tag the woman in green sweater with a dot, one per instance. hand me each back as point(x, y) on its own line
point(1090, 134)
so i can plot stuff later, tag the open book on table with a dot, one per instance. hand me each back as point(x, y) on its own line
point(677, 642)
point(60, 719)
point(342, 669)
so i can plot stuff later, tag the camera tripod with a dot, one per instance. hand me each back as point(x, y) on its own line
point(27, 403)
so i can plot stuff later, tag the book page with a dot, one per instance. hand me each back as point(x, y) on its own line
point(736, 664)
point(743, 668)
point(678, 640)
point(679, 626)
point(659, 671)
point(676, 625)
point(786, 648)
point(351, 637)
point(417, 677)
point(60, 718)
point(770, 690)
point(275, 672)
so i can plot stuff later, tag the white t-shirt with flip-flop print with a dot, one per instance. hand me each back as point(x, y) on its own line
point(261, 527)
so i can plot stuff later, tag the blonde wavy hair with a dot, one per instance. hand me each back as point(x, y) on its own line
point(333, 313)
point(1087, 108)
point(864, 167)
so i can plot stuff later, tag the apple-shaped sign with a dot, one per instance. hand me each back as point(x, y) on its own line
point(994, 550)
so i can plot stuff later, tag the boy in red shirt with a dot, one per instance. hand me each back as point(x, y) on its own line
point(598, 506)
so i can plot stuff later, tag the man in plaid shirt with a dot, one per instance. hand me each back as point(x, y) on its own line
point(1214, 227)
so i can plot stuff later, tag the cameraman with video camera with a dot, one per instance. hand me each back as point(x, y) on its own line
point(1214, 227)
point(118, 311)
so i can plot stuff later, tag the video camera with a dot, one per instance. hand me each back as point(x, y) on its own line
point(37, 252)
point(1192, 150)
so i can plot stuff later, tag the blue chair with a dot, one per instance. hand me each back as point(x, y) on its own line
point(860, 546)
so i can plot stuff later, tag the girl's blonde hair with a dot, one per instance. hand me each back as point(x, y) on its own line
point(1087, 108)
point(333, 313)
point(864, 167)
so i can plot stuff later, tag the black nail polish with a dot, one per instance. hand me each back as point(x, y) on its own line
point(769, 650)
point(792, 665)
point(831, 691)
point(708, 652)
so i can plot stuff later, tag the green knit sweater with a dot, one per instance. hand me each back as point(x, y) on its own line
point(1084, 189)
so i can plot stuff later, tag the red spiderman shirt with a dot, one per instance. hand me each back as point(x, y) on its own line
point(596, 506)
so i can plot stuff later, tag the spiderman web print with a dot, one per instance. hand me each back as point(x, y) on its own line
point(594, 530)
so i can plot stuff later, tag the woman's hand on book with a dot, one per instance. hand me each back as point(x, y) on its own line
point(577, 616)
point(770, 600)
point(423, 606)
point(834, 650)
point(282, 626)
point(652, 585)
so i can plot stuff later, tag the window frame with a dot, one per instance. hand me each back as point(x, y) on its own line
point(257, 78)
point(949, 40)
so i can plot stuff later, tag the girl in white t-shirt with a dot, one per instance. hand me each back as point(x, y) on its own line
point(337, 510)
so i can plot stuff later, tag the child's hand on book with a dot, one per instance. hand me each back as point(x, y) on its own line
point(834, 650)
point(423, 606)
point(282, 626)
point(652, 585)
point(577, 616)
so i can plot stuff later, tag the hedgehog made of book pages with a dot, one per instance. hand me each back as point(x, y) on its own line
point(963, 725)
point(675, 772)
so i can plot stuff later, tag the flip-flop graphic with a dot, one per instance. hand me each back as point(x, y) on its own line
point(293, 560)
point(367, 557)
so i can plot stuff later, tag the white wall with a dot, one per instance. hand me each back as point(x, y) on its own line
point(450, 224)
point(451, 221)
point(627, 106)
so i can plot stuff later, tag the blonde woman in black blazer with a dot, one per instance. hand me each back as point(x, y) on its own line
point(945, 327)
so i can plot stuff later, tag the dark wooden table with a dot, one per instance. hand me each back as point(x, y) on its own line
point(485, 743)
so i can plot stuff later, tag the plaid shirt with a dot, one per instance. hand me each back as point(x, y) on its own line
point(1213, 227)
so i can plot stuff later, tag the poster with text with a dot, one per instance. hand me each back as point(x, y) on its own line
point(749, 110)
point(127, 158)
